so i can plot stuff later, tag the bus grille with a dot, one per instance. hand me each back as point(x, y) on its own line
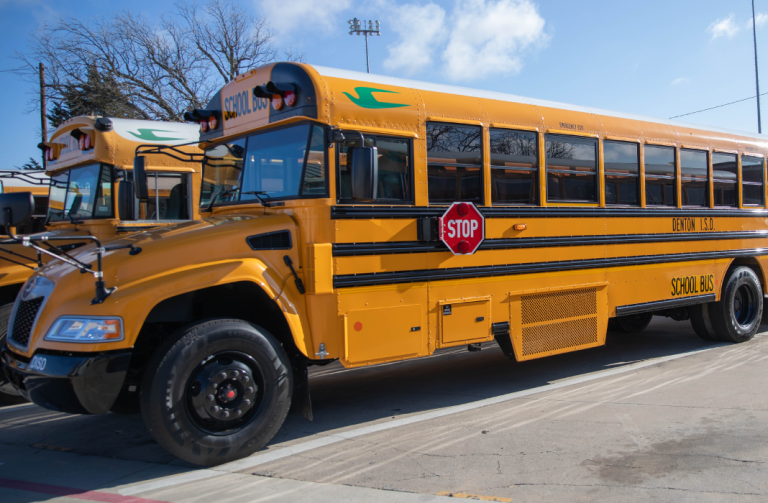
point(25, 318)
point(558, 321)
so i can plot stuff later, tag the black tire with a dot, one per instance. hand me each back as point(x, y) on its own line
point(204, 418)
point(702, 322)
point(736, 317)
point(8, 392)
point(633, 323)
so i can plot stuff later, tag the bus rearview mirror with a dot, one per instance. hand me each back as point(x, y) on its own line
point(16, 208)
point(140, 178)
point(364, 171)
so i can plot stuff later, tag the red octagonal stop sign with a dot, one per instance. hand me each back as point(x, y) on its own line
point(462, 228)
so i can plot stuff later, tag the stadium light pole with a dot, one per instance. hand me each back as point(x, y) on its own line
point(355, 27)
point(757, 79)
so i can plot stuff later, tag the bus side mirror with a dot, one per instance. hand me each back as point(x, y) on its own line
point(364, 171)
point(16, 208)
point(140, 178)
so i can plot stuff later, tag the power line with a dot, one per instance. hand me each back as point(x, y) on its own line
point(718, 106)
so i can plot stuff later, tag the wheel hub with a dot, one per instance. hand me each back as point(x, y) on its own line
point(222, 392)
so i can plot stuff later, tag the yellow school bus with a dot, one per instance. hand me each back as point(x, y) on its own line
point(90, 164)
point(330, 205)
point(35, 182)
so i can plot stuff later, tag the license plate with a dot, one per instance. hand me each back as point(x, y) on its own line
point(38, 363)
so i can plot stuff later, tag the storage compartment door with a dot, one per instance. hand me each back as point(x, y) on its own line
point(465, 321)
point(386, 333)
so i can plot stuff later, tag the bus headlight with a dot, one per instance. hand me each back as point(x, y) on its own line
point(83, 329)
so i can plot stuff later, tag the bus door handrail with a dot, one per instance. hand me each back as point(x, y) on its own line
point(175, 153)
point(25, 177)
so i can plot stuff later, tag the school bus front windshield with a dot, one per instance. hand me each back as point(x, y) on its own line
point(285, 163)
point(84, 193)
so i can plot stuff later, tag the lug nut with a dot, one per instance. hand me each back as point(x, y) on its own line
point(223, 375)
point(237, 412)
point(209, 398)
point(235, 373)
point(244, 378)
point(225, 414)
point(215, 408)
point(246, 402)
point(214, 385)
point(249, 390)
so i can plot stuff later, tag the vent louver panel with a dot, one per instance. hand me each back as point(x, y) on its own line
point(280, 240)
point(556, 322)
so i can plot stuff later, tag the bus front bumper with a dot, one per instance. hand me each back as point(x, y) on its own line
point(75, 383)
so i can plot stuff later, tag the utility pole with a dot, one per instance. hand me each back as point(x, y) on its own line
point(757, 78)
point(355, 27)
point(43, 118)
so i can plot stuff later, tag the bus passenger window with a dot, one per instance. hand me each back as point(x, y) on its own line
point(694, 173)
point(571, 169)
point(622, 172)
point(454, 163)
point(660, 176)
point(725, 173)
point(752, 181)
point(514, 167)
point(167, 197)
point(394, 182)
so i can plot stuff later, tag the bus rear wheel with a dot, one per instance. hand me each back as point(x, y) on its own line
point(8, 392)
point(217, 391)
point(736, 317)
point(633, 323)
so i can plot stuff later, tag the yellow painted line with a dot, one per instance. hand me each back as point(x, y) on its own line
point(475, 497)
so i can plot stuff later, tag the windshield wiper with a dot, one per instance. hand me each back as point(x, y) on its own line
point(216, 197)
point(258, 193)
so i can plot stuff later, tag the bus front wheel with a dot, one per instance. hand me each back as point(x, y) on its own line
point(736, 317)
point(8, 393)
point(217, 391)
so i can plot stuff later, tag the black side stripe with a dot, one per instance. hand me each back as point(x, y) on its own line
point(658, 305)
point(397, 277)
point(387, 212)
point(388, 248)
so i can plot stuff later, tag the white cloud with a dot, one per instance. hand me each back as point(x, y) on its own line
point(288, 16)
point(488, 37)
point(681, 80)
point(724, 27)
point(762, 18)
point(420, 31)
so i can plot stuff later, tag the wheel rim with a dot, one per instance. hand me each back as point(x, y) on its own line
point(744, 308)
point(225, 392)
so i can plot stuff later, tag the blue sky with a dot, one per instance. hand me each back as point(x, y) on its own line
point(658, 58)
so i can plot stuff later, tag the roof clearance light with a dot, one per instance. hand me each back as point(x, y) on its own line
point(277, 102)
point(203, 126)
point(290, 98)
point(213, 123)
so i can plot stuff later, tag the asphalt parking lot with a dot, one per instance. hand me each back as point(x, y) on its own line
point(660, 415)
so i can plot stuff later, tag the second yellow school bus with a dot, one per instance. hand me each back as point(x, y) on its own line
point(90, 193)
point(320, 240)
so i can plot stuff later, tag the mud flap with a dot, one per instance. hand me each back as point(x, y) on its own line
point(501, 334)
point(301, 403)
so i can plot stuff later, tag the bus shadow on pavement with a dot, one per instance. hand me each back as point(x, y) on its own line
point(345, 398)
